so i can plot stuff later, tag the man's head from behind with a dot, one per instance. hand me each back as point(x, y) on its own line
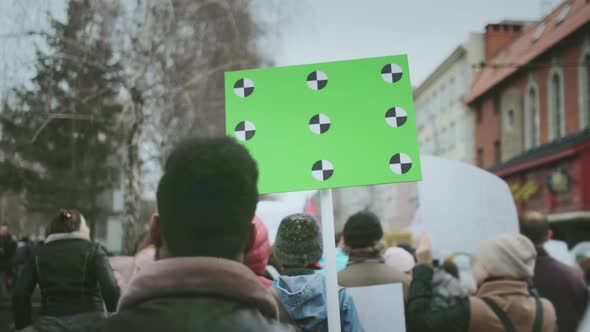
point(3, 229)
point(206, 199)
point(362, 230)
point(535, 226)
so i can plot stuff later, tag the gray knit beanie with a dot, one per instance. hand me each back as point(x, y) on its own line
point(298, 242)
point(508, 255)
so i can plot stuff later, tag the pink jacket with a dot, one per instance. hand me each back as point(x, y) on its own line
point(258, 255)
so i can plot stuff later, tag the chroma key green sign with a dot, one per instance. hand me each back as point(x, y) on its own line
point(327, 125)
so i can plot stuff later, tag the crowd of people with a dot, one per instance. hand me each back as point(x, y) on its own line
point(206, 264)
point(13, 257)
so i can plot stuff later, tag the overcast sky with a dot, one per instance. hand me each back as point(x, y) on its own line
point(308, 31)
point(17, 53)
point(427, 30)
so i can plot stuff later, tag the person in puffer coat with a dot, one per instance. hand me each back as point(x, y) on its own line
point(73, 274)
point(502, 268)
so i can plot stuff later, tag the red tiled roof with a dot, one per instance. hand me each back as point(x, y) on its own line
point(524, 49)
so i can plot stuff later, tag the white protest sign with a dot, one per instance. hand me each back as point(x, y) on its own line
point(380, 308)
point(461, 205)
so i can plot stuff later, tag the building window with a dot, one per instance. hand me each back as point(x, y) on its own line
point(563, 13)
point(480, 157)
point(556, 112)
point(532, 137)
point(510, 120)
point(478, 115)
point(538, 32)
point(498, 151)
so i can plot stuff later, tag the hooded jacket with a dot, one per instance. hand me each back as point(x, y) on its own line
point(258, 255)
point(7, 251)
point(304, 300)
point(195, 294)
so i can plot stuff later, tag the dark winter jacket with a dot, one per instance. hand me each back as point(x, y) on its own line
point(195, 294)
point(471, 314)
point(447, 290)
point(22, 254)
point(7, 250)
point(565, 287)
point(74, 276)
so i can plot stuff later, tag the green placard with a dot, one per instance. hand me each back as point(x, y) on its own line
point(327, 125)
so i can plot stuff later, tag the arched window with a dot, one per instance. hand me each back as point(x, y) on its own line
point(510, 120)
point(532, 117)
point(556, 112)
point(532, 120)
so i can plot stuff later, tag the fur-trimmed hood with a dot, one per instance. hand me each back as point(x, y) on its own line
point(370, 254)
point(82, 234)
point(66, 236)
point(196, 276)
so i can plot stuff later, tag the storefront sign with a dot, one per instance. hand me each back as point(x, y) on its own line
point(522, 192)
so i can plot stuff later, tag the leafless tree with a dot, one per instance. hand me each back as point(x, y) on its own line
point(173, 54)
point(176, 53)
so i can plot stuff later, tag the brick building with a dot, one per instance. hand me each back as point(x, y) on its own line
point(532, 107)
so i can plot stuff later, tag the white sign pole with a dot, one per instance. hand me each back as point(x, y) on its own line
point(328, 237)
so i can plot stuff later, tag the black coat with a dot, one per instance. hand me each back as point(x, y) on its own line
point(7, 250)
point(74, 276)
point(420, 314)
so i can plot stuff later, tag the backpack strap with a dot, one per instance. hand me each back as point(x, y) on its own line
point(538, 326)
point(508, 326)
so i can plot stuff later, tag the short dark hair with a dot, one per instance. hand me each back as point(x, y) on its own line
point(535, 226)
point(207, 198)
point(362, 230)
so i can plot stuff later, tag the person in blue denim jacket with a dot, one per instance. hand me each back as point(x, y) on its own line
point(302, 292)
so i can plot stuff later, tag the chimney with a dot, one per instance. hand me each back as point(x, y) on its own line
point(500, 35)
